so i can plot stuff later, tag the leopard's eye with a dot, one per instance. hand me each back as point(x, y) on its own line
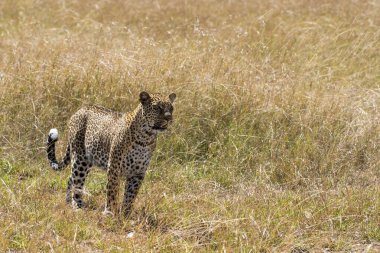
point(162, 107)
point(159, 107)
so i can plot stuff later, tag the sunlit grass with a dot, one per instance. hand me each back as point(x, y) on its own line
point(275, 145)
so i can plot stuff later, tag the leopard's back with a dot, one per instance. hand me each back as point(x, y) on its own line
point(93, 129)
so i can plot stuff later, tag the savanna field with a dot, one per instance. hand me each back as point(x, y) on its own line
point(275, 143)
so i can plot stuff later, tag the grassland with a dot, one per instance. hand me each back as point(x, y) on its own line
point(275, 146)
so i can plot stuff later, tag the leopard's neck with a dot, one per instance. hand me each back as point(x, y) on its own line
point(141, 132)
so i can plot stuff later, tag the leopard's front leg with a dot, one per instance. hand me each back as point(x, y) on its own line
point(113, 182)
point(132, 186)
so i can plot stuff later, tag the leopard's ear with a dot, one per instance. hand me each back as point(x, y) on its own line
point(144, 97)
point(172, 97)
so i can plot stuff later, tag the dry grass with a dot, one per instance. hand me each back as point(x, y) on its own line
point(276, 141)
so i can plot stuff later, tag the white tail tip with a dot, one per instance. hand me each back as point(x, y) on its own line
point(53, 134)
point(54, 166)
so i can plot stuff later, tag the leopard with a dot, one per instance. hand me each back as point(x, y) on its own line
point(122, 144)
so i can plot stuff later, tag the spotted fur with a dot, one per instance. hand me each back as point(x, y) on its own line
point(120, 143)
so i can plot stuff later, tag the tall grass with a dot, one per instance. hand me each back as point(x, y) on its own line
point(275, 145)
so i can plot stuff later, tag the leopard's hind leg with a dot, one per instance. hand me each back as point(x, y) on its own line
point(80, 169)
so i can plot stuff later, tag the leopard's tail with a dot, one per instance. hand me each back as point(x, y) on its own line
point(50, 149)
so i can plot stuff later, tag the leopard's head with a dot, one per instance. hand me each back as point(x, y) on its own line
point(157, 111)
